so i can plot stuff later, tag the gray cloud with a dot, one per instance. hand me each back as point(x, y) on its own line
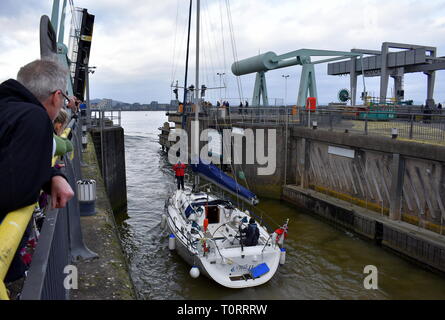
point(137, 59)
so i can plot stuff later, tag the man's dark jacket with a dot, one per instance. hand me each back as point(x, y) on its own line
point(26, 142)
point(252, 234)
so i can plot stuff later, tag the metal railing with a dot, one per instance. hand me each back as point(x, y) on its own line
point(409, 122)
point(429, 127)
point(45, 276)
point(105, 118)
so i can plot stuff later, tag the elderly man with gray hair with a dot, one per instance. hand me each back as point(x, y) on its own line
point(28, 107)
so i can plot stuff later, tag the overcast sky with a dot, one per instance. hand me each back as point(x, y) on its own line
point(139, 46)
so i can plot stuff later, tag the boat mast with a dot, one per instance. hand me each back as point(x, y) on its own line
point(198, 5)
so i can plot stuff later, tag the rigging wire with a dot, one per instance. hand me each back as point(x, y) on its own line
point(174, 46)
point(187, 59)
point(209, 27)
point(234, 48)
point(181, 39)
point(223, 47)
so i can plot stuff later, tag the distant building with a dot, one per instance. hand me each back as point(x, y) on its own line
point(105, 104)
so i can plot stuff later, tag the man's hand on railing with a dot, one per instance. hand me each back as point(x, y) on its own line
point(61, 192)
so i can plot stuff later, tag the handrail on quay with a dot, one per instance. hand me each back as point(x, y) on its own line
point(410, 122)
point(105, 118)
point(12, 229)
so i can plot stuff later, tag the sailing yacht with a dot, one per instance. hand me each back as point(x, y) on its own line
point(210, 233)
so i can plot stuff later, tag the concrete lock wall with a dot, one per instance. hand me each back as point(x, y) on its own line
point(113, 164)
point(388, 191)
point(403, 180)
point(270, 185)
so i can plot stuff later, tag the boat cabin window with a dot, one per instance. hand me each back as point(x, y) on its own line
point(212, 214)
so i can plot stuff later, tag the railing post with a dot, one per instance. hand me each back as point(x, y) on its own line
point(331, 128)
point(77, 247)
point(366, 122)
point(411, 126)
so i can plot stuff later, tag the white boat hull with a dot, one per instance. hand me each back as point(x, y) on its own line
point(226, 261)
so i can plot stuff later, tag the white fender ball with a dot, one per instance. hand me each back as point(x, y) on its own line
point(194, 272)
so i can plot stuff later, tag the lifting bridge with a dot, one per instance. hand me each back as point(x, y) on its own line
point(270, 61)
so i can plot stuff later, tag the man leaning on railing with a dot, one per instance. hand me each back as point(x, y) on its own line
point(28, 107)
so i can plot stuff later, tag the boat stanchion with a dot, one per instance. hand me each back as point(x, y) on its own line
point(171, 242)
point(283, 256)
point(194, 272)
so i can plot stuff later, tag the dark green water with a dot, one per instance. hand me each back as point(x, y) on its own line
point(322, 262)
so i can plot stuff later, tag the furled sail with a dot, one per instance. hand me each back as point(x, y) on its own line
point(212, 173)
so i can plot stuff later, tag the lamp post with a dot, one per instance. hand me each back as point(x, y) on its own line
point(285, 87)
point(220, 86)
point(87, 90)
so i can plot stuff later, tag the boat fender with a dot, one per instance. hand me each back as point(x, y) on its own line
point(283, 256)
point(163, 221)
point(194, 272)
point(171, 242)
point(274, 237)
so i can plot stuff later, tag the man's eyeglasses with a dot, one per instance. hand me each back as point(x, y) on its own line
point(64, 95)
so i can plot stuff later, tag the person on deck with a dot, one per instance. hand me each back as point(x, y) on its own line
point(179, 169)
point(252, 234)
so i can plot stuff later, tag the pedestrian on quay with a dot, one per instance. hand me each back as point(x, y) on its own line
point(28, 107)
point(60, 122)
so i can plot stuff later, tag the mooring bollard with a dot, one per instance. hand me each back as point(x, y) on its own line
point(86, 194)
